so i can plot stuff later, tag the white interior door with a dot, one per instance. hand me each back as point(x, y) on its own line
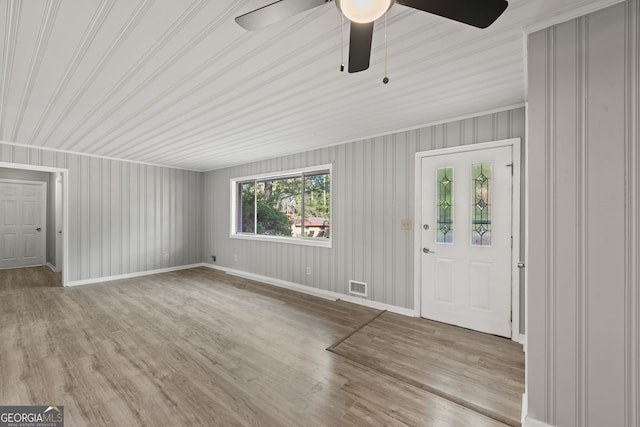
point(466, 234)
point(22, 234)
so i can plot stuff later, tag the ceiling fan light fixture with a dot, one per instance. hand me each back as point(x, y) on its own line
point(363, 11)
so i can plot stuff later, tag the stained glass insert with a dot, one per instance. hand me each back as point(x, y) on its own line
point(481, 181)
point(444, 222)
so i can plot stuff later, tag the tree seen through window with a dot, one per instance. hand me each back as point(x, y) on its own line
point(298, 206)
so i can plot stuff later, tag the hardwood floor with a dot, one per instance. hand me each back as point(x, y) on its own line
point(479, 371)
point(29, 277)
point(199, 347)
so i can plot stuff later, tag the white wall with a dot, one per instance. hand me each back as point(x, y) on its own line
point(26, 175)
point(583, 355)
point(373, 190)
point(124, 217)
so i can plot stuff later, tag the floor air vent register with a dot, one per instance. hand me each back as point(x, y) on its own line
point(357, 288)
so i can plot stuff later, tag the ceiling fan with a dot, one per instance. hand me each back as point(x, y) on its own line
point(363, 13)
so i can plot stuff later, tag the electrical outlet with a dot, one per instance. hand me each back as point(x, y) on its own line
point(308, 271)
point(235, 257)
point(405, 224)
point(166, 257)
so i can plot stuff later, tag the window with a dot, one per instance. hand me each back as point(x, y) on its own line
point(444, 202)
point(291, 206)
point(481, 204)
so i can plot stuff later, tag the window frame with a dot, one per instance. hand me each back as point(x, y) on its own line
point(292, 173)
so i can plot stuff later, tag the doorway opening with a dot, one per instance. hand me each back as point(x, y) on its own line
point(468, 239)
point(34, 223)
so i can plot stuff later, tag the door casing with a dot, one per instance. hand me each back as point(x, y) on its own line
point(515, 143)
point(65, 209)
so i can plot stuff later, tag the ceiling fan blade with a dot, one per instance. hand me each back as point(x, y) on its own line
point(274, 12)
point(478, 13)
point(360, 46)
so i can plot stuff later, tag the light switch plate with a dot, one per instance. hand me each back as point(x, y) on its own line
point(405, 224)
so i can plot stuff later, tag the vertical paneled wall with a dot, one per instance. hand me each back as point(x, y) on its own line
point(583, 220)
point(373, 190)
point(124, 217)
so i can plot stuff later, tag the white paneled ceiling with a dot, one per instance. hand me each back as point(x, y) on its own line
point(178, 83)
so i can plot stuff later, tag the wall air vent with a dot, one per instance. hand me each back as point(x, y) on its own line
point(357, 288)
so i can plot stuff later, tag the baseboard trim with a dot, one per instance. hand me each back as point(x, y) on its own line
point(52, 267)
point(530, 422)
point(132, 275)
point(23, 266)
point(321, 293)
point(378, 305)
point(279, 283)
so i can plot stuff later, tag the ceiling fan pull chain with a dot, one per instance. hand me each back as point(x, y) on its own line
point(385, 80)
point(341, 42)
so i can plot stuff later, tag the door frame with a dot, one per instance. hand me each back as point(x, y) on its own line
point(65, 209)
point(43, 210)
point(515, 143)
point(57, 194)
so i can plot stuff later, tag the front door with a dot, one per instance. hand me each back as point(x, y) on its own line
point(21, 224)
point(466, 234)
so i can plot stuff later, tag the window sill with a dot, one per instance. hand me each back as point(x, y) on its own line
point(320, 243)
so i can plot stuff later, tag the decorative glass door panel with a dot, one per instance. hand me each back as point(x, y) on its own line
point(481, 204)
point(466, 253)
point(444, 205)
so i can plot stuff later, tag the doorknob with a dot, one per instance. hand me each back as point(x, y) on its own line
point(38, 229)
point(427, 251)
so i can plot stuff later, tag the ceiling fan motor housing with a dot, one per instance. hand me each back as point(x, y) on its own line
point(363, 12)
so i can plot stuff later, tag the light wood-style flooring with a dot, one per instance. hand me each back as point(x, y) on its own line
point(199, 347)
point(479, 371)
point(30, 277)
